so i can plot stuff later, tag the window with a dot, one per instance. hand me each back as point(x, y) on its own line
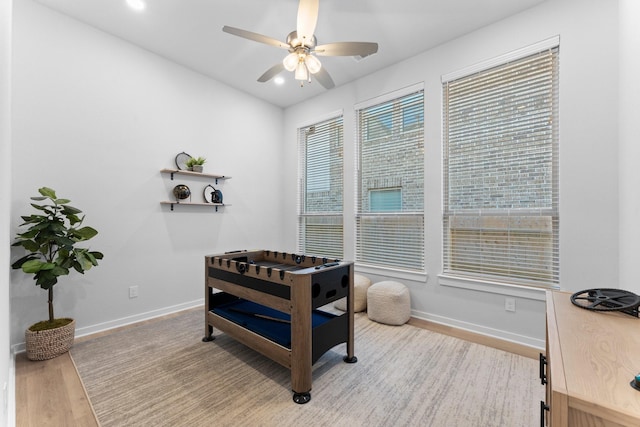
point(501, 217)
point(386, 200)
point(390, 182)
point(320, 189)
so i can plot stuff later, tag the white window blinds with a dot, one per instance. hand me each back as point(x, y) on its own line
point(500, 165)
point(320, 189)
point(390, 183)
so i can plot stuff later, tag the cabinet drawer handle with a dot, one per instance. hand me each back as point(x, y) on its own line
point(543, 407)
point(543, 363)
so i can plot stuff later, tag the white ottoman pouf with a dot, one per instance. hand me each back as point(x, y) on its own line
point(360, 286)
point(389, 302)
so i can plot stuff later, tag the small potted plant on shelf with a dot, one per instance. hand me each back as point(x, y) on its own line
point(196, 163)
point(51, 242)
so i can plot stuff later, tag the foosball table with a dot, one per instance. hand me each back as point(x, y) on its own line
point(272, 302)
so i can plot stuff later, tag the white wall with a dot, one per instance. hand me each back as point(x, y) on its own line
point(588, 157)
point(6, 360)
point(96, 119)
point(629, 88)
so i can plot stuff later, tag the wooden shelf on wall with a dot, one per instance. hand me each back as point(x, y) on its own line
point(214, 205)
point(191, 173)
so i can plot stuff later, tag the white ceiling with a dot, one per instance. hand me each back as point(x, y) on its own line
point(189, 32)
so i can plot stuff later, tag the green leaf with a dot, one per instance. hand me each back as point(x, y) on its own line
point(85, 233)
point(57, 227)
point(29, 245)
point(39, 207)
point(47, 192)
point(70, 210)
point(59, 271)
point(91, 258)
point(38, 198)
point(63, 253)
point(33, 219)
point(63, 241)
point(35, 265)
point(18, 263)
point(94, 257)
point(62, 201)
point(46, 279)
point(82, 259)
point(74, 219)
point(39, 226)
point(26, 219)
point(30, 234)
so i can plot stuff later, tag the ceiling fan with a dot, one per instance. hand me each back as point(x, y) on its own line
point(303, 48)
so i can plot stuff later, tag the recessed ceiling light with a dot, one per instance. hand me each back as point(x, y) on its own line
point(137, 5)
point(279, 80)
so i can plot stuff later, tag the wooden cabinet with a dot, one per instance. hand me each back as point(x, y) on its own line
point(591, 359)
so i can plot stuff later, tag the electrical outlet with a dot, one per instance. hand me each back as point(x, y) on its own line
point(510, 304)
point(133, 291)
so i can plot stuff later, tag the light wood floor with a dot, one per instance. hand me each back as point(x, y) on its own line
point(50, 393)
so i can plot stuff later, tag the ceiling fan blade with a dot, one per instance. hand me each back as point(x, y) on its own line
point(324, 78)
point(271, 72)
point(255, 37)
point(307, 20)
point(346, 49)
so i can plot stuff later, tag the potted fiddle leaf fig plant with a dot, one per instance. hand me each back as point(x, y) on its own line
point(196, 164)
point(51, 240)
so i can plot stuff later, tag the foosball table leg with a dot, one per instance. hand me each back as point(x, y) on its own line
point(301, 398)
point(208, 335)
point(350, 357)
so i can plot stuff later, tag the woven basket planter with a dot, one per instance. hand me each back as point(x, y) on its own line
point(43, 345)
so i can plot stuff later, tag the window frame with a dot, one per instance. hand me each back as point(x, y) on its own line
point(363, 135)
point(490, 282)
point(311, 220)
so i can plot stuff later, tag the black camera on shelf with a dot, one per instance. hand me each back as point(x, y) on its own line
point(211, 195)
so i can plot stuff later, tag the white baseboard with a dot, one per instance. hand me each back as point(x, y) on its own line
point(536, 343)
point(112, 324)
point(124, 321)
point(524, 340)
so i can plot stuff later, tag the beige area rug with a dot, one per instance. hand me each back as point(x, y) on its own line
point(162, 374)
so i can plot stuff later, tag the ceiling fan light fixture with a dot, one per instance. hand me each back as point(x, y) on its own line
point(290, 61)
point(313, 64)
point(301, 71)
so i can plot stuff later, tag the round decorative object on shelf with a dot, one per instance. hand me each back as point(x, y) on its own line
point(211, 195)
point(181, 192)
point(181, 160)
